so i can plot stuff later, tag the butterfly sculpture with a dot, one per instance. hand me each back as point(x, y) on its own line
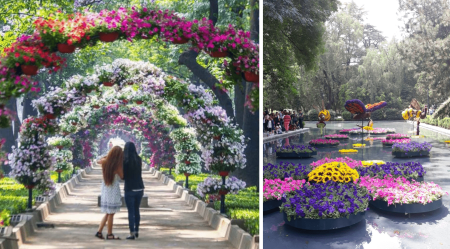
point(324, 115)
point(361, 111)
point(414, 113)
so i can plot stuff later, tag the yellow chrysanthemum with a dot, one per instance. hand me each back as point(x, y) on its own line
point(372, 162)
point(418, 114)
point(334, 171)
point(368, 128)
point(358, 145)
point(348, 151)
point(326, 113)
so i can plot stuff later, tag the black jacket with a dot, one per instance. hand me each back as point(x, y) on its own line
point(133, 176)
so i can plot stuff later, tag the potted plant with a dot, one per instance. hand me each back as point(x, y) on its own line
point(412, 149)
point(109, 23)
point(72, 118)
point(60, 142)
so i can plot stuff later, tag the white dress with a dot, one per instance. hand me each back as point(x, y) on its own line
point(111, 200)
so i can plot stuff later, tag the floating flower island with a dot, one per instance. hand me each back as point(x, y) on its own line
point(412, 149)
point(399, 195)
point(390, 142)
point(359, 145)
point(396, 136)
point(348, 151)
point(296, 151)
point(336, 136)
point(324, 142)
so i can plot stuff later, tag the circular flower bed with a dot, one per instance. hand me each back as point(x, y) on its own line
point(352, 163)
point(298, 151)
point(285, 170)
point(411, 149)
point(396, 136)
point(275, 189)
point(410, 170)
point(336, 136)
point(401, 191)
point(347, 131)
point(323, 142)
point(348, 151)
point(390, 142)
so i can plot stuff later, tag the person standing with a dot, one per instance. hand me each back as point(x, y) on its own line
point(134, 187)
point(287, 120)
point(300, 119)
point(111, 200)
point(294, 120)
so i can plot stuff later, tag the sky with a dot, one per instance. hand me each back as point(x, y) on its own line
point(381, 14)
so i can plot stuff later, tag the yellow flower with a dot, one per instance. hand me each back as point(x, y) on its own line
point(368, 128)
point(359, 145)
point(348, 151)
point(418, 114)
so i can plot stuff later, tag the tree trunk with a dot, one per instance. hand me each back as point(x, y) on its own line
point(189, 59)
point(214, 11)
point(239, 101)
point(8, 133)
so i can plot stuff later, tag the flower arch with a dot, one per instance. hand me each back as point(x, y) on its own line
point(64, 33)
point(140, 88)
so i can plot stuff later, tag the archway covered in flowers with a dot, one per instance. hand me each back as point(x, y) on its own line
point(132, 88)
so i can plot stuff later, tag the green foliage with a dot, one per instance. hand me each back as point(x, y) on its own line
point(65, 175)
point(378, 115)
point(332, 114)
point(313, 115)
point(393, 114)
point(14, 196)
point(347, 115)
point(4, 218)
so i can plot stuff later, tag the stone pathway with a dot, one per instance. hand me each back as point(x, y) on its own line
point(168, 223)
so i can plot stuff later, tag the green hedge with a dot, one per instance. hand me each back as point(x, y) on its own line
point(441, 122)
point(65, 175)
point(313, 115)
point(377, 115)
point(347, 115)
point(393, 114)
point(14, 204)
point(332, 114)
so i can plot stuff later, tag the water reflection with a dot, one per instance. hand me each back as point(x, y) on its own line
point(380, 229)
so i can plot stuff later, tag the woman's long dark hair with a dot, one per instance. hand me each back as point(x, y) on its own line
point(130, 156)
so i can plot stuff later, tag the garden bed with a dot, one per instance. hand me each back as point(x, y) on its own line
point(410, 154)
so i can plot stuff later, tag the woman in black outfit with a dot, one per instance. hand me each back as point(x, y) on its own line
point(134, 187)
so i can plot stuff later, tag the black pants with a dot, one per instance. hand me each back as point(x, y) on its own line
point(133, 201)
point(300, 123)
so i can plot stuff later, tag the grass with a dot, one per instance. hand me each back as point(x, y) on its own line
point(244, 205)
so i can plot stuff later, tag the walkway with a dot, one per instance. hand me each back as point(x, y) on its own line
point(168, 223)
point(283, 135)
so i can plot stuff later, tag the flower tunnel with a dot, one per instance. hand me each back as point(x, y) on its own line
point(136, 97)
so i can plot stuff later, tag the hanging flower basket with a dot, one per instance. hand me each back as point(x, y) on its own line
point(218, 54)
point(66, 48)
point(217, 137)
point(29, 186)
point(187, 162)
point(223, 173)
point(108, 84)
point(251, 77)
point(50, 116)
point(223, 192)
point(109, 37)
point(96, 106)
point(74, 123)
point(29, 69)
point(139, 102)
point(59, 147)
point(124, 101)
point(182, 40)
point(59, 170)
point(187, 174)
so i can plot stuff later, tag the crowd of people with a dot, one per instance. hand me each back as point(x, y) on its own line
point(283, 121)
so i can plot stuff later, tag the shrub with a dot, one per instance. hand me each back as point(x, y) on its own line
point(339, 119)
point(393, 114)
point(444, 123)
point(378, 115)
point(332, 114)
point(347, 115)
point(313, 115)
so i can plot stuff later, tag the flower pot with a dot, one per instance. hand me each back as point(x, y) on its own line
point(251, 77)
point(223, 173)
point(66, 48)
point(218, 54)
point(29, 186)
point(29, 69)
point(217, 137)
point(223, 192)
point(182, 40)
point(65, 133)
point(187, 162)
point(50, 116)
point(59, 147)
point(59, 170)
point(108, 84)
point(124, 101)
point(96, 106)
point(139, 102)
point(74, 123)
point(187, 174)
point(89, 91)
point(130, 83)
point(109, 37)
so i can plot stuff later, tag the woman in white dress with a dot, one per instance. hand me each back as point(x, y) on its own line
point(111, 200)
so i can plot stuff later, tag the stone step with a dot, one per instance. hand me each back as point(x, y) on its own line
point(144, 201)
